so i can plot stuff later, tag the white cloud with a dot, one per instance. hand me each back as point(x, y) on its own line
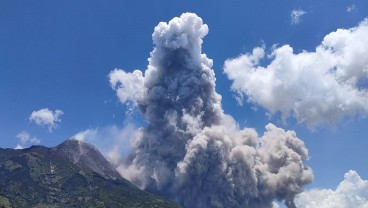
point(316, 87)
point(19, 147)
point(26, 139)
point(112, 141)
point(128, 86)
point(46, 117)
point(352, 192)
point(295, 15)
point(351, 8)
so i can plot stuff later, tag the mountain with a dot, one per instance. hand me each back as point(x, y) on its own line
point(72, 174)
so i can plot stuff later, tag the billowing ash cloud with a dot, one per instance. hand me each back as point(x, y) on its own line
point(352, 192)
point(192, 152)
point(317, 87)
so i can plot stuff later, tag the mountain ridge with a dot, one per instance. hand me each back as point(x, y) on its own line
point(72, 174)
point(85, 155)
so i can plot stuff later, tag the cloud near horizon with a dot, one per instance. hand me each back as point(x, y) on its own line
point(317, 87)
point(351, 192)
point(25, 139)
point(46, 117)
point(190, 150)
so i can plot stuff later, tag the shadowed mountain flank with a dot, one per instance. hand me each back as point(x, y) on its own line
point(72, 174)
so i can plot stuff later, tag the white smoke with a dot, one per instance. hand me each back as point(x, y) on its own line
point(113, 141)
point(190, 150)
point(352, 192)
point(317, 87)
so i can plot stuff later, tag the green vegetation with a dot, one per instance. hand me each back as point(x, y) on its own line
point(10, 165)
point(43, 177)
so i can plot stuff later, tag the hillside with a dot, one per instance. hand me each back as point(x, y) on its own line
point(72, 174)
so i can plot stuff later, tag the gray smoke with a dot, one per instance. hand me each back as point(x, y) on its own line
point(190, 150)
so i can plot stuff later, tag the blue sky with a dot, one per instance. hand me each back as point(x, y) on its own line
point(58, 55)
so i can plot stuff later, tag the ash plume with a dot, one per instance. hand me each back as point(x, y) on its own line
point(190, 150)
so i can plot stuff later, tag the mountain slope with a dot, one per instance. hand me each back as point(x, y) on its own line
point(72, 174)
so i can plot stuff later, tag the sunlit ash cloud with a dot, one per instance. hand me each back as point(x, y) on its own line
point(190, 150)
point(317, 87)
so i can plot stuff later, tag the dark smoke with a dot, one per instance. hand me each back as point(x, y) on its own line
point(190, 150)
